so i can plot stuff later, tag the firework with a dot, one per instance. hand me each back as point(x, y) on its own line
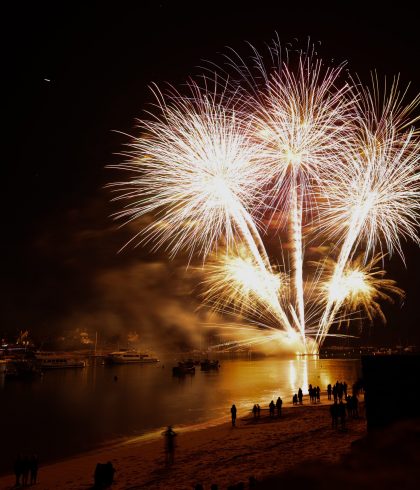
point(361, 287)
point(373, 199)
point(195, 168)
point(340, 161)
point(302, 120)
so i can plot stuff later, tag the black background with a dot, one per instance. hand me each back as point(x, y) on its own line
point(58, 134)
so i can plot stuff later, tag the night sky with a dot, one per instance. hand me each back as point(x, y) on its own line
point(76, 74)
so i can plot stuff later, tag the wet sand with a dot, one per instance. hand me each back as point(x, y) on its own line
point(212, 453)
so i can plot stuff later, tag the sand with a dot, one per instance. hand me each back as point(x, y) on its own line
point(212, 453)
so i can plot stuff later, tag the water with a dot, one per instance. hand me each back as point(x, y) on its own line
point(70, 411)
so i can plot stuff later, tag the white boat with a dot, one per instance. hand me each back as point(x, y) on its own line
point(54, 360)
point(126, 356)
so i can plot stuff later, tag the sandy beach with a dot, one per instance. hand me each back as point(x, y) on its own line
point(212, 453)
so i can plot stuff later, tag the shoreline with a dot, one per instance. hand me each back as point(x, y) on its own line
point(210, 452)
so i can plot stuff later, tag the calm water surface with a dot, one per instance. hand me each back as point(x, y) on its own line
point(69, 411)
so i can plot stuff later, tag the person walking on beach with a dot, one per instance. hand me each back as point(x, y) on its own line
point(342, 414)
point(295, 399)
point(169, 444)
point(18, 469)
point(25, 471)
point(279, 403)
point(271, 408)
point(300, 396)
point(233, 414)
point(33, 466)
point(334, 415)
point(254, 411)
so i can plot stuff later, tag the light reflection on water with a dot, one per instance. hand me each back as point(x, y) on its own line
point(70, 411)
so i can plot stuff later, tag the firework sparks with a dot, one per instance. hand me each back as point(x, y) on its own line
point(361, 287)
point(195, 168)
point(302, 120)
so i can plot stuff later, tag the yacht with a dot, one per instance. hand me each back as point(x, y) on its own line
point(54, 360)
point(2, 366)
point(126, 356)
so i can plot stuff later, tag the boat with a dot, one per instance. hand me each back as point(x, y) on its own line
point(54, 360)
point(3, 364)
point(126, 356)
point(183, 368)
point(26, 369)
point(208, 365)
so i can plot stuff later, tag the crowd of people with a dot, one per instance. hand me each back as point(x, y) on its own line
point(344, 405)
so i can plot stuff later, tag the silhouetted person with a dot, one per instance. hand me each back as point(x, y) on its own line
point(103, 476)
point(233, 414)
point(329, 391)
point(109, 473)
point(255, 411)
point(33, 466)
point(258, 410)
point(342, 414)
point(318, 394)
point(279, 403)
point(271, 408)
point(300, 396)
point(25, 471)
point(169, 444)
point(252, 482)
point(355, 407)
point(295, 399)
point(334, 415)
point(18, 469)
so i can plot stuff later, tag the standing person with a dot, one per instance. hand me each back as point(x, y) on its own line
point(233, 414)
point(329, 391)
point(18, 469)
point(258, 410)
point(271, 408)
point(279, 403)
point(33, 466)
point(300, 396)
point(25, 471)
point(334, 415)
point(254, 411)
point(169, 444)
point(342, 414)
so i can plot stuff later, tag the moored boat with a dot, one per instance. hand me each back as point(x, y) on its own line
point(208, 365)
point(2, 366)
point(55, 360)
point(183, 368)
point(126, 356)
point(25, 369)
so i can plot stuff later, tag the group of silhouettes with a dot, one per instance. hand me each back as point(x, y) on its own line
point(26, 470)
point(339, 410)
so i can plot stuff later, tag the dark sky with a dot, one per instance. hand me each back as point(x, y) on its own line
point(60, 262)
